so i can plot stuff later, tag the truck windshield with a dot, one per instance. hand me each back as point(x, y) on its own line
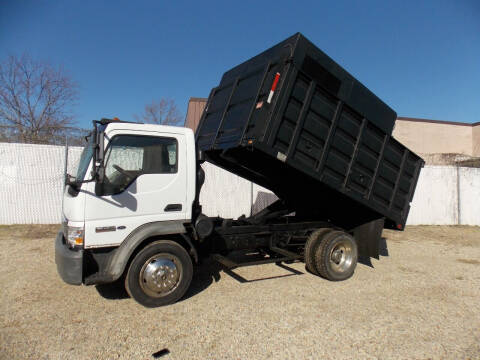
point(85, 158)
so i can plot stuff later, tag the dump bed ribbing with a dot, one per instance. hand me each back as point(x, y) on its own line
point(294, 121)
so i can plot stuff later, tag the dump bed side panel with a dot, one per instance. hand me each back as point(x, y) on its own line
point(321, 127)
point(320, 134)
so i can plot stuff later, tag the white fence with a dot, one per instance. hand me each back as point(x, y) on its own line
point(31, 182)
point(446, 195)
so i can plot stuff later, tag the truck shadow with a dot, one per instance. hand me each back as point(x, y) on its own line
point(204, 275)
point(210, 271)
point(242, 280)
point(113, 291)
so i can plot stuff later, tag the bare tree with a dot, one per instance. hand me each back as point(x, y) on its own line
point(163, 112)
point(36, 99)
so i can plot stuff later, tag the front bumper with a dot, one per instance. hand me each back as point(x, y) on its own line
point(69, 262)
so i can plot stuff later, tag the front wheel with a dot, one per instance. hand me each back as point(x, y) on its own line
point(160, 274)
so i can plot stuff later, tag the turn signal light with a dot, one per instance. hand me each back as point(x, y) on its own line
point(75, 236)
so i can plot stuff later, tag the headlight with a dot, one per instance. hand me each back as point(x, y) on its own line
point(75, 236)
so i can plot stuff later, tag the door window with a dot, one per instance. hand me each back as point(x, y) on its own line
point(129, 156)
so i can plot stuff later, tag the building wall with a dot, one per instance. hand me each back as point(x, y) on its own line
point(432, 137)
point(476, 140)
point(194, 112)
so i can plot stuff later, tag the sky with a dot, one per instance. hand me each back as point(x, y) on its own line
point(420, 57)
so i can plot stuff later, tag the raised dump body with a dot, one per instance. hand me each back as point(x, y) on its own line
point(292, 120)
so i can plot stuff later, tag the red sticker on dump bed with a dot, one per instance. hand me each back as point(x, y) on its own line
point(275, 81)
point(274, 86)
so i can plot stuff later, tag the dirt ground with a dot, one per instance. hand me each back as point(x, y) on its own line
point(421, 300)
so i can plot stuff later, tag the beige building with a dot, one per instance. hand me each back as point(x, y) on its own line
point(194, 112)
point(422, 136)
point(438, 137)
point(476, 139)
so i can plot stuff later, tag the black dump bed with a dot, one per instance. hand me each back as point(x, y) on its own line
point(292, 120)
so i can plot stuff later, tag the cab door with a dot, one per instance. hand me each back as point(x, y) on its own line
point(145, 181)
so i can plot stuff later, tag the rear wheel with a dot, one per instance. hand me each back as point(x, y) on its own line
point(336, 256)
point(160, 274)
point(311, 246)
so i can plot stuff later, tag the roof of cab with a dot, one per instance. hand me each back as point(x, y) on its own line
point(148, 127)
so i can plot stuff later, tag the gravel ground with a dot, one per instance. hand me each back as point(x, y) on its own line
point(420, 300)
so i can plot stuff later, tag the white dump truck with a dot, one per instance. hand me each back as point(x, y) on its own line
point(289, 119)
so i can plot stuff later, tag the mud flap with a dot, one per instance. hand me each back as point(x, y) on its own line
point(368, 238)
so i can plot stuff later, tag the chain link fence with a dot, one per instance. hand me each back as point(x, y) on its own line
point(31, 182)
point(32, 176)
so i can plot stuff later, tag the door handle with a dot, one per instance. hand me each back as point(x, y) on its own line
point(173, 207)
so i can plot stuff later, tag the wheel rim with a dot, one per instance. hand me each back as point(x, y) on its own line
point(160, 275)
point(341, 256)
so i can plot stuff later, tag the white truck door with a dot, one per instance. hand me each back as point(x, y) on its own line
point(145, 181)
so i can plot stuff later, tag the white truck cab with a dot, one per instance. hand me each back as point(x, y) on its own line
point(149, 177)
point(146, 190)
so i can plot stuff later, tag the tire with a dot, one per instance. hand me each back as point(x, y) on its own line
point(336, 257)
point(311, 245)
point(160, 274)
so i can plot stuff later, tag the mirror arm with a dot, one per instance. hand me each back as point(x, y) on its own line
point(94, 146)
point(98, 169)
point(100, 156)
point(76, 183)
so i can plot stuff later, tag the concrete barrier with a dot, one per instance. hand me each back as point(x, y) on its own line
point(469, 196)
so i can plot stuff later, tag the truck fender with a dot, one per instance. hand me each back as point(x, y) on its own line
point(122, 254)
